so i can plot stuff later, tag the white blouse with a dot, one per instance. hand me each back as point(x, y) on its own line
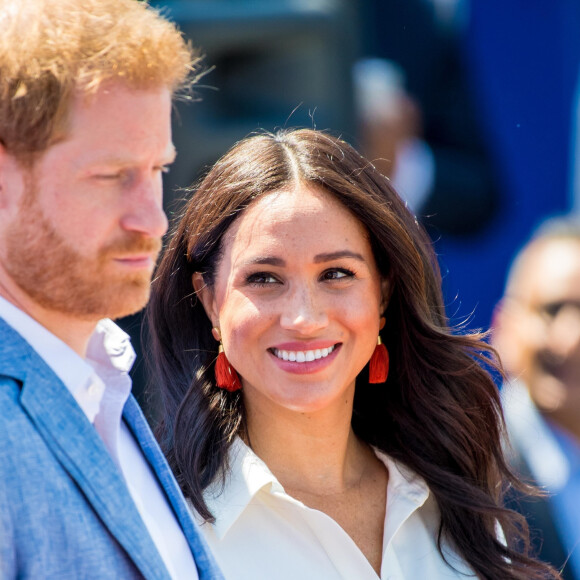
point(261, 532)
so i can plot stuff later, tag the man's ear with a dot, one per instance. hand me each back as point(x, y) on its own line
point(505, 331)
point(12, 179)
point(3, 158)
point(206, 296)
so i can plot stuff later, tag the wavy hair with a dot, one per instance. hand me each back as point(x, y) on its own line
point(439, 411)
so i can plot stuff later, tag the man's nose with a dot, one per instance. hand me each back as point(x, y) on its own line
point(565, 331)
point(144, 210)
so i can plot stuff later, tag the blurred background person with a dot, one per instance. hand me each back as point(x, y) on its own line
point(416, 116)
point(291, 64)
point(537, 334)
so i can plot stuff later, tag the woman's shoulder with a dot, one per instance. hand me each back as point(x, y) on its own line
point(232, 490)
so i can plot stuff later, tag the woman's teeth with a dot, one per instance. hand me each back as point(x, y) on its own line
point(303, 355)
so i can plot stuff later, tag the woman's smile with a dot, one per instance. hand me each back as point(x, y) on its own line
point(301, 356)
point(305, 361)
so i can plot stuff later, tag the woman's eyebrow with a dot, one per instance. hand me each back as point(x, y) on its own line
point(267, 260)
point(319, 258)
point(329, 257)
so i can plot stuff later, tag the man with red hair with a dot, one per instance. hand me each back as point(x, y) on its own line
point(85, 135)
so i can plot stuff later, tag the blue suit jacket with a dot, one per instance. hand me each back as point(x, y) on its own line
point(65, 510)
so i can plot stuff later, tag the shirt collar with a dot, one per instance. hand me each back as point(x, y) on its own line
point(406, 492)
point(109, 346)
point(109, 349)
point(248, 475)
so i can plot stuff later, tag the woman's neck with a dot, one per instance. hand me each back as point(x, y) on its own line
point(312, 453)
point(319, 461)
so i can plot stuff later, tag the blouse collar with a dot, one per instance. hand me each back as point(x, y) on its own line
point(249, 475)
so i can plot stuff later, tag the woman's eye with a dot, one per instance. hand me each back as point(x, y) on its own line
point(337, 274)
point(262, 278)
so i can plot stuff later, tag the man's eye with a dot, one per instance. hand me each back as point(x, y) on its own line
point(113, 174)
point(553, 309)
point(109, 176)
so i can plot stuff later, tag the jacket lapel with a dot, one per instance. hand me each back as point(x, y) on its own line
point(78, 448)
point(206, 566)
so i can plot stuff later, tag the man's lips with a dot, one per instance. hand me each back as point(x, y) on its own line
point(133, 248)
point(137, 260)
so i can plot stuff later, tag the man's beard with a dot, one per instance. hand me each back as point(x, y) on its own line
point(58, 278)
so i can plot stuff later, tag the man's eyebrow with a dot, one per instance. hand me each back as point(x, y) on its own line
point(166, 158)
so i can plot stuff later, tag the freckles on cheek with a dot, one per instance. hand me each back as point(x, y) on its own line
point(247, 327)
point(359, 313)
point(242, 337)
point(241, 327)
point(237, 318)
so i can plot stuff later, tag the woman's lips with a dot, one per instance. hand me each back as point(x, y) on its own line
point(303, 358)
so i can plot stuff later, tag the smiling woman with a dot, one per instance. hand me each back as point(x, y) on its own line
point(282, 292)
point(297, 259)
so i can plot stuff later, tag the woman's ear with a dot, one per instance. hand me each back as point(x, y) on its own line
point(206, 296)
point(386, 292)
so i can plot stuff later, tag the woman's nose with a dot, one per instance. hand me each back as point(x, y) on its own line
point(304, 311)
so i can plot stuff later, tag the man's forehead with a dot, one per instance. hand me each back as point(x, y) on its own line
point(552, 271)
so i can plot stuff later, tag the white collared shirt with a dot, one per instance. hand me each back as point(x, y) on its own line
point(101, 385)
point(262, 532)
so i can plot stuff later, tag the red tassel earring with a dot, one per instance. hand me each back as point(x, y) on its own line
point(379, 363)
point(225, 375)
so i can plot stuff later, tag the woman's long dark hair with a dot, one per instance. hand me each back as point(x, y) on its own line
point(439, 411)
